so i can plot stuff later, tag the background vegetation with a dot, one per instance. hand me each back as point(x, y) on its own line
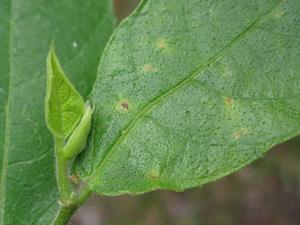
point(264, 193)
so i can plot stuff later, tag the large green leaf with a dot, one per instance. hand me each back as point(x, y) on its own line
point(190, 91)
point(80, 29)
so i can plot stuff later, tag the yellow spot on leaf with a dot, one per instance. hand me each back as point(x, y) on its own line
point(279, 13)
point(161, 43)
point(241, 132)
point(148, 68)
point(154, 174)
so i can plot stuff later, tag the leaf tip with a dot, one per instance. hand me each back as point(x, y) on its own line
point(64, 105)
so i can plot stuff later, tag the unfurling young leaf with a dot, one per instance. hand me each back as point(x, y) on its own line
point(64, 105)
point(77, 140)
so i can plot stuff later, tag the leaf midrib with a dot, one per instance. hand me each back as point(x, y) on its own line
point(7, 124)
point(176, 87)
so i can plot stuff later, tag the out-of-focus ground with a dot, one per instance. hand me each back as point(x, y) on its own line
point(265, 193)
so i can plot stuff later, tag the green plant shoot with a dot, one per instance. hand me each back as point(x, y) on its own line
point(77, 140)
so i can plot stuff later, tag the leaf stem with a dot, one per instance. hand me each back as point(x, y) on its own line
point(62, 172)
point(82, 195)
point(65, 213)
point(69, 199)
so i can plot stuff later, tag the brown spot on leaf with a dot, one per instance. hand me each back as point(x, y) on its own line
point(123, 105)
point(228, 101)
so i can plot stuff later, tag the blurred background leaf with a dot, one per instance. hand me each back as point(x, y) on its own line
point(266, 192)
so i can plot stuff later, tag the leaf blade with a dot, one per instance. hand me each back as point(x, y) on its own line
point(198, 50)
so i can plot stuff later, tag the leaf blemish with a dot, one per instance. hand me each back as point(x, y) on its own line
point(228, 100)
point(241, 132)
point(154, 174)
point(279, 13)
point(123, 106)
point(161, 43)
point(75, 45)
point(148, 68)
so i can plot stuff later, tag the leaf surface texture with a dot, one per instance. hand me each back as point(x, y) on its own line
point(190, 91)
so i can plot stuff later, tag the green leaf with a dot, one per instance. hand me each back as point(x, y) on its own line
point(190, 91)
point(28, 189)
point(77, 141)
point(64, 105)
